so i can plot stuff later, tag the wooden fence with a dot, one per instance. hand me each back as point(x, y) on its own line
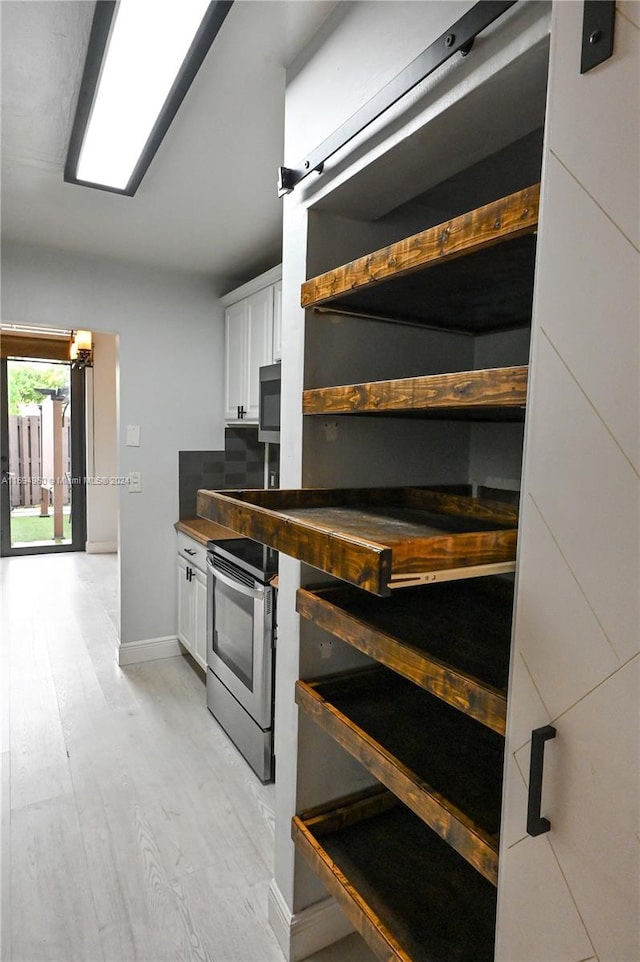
point(25, 459)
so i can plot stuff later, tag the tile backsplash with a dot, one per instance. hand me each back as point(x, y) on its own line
point(244, 458)
point(240, 465)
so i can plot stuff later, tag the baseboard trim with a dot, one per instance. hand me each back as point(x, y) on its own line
point(299, 934)
point(150, 649)
point(101, 547)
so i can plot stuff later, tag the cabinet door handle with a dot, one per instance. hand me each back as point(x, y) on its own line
point(536, 824)
point(189, 551)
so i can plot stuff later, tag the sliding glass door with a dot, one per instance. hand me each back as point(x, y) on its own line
point(43, 490)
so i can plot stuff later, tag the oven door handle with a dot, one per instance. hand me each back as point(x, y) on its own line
point(236, 585)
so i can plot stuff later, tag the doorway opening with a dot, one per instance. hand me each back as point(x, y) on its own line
point(43, 491)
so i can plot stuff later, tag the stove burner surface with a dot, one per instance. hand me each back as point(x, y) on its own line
point(248, 553)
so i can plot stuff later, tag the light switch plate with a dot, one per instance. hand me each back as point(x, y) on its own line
point(135, 482)
point(133, 435)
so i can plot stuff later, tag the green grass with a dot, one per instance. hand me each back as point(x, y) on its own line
point(29, 528)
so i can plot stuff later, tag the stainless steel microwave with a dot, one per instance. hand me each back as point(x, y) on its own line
point(269, 410)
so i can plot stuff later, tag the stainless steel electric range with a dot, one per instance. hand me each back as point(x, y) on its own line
point(241, 639)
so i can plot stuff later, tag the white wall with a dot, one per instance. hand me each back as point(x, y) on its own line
point(170, 329)
point(102, 445)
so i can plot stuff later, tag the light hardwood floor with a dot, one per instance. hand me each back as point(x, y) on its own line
point(131, 827)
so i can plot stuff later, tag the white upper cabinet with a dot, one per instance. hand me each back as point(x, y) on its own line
point(251, 313)
point(258, 351)
point(234, 354)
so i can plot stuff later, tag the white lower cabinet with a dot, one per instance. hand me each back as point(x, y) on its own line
point(199, 585)
point(185, 606)
point(192, 599)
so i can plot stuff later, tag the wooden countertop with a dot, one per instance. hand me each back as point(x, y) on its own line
point(202, 530)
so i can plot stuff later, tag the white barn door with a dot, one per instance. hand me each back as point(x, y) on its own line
point(572, 894)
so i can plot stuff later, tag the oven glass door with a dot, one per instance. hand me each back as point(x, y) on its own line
point(241, 639)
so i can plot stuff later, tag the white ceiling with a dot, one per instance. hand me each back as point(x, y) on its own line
point(208, 202)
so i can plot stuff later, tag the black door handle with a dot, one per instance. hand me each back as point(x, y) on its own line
point(536, 824)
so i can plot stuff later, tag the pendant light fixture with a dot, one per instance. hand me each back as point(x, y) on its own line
point(81, 349)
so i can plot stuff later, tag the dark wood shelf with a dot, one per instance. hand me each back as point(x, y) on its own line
point(451, 639)
point(498, 393)
point(443, 766)
point(414, 864)
point(375, 538)
point(411, 897)
point(448, 277)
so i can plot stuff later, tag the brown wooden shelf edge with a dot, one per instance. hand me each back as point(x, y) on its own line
point(374, 881)
point(360, 914)
point(507, 218)
point(460, 391)
point(360, 535)
point(479, 700)
point(477, 847)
